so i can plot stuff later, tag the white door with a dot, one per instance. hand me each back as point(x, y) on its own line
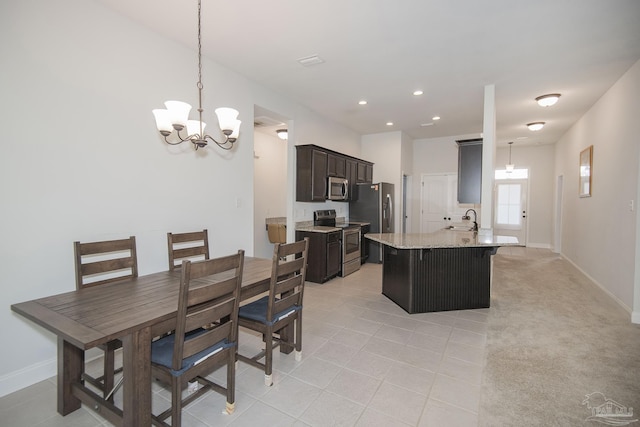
point(510, 215)
point(435, 199)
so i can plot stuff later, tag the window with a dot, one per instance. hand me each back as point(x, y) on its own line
point(508, 204)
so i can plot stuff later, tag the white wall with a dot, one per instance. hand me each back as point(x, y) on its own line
point(599, 232)
point(270, 187)
point(81, 159)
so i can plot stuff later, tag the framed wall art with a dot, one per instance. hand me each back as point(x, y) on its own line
point(586, 171)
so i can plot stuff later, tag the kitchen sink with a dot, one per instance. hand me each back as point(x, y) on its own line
point(459, 228)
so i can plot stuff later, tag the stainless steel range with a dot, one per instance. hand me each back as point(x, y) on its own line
point(350, 239)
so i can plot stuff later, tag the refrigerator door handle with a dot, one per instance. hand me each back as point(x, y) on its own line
point(390, 208)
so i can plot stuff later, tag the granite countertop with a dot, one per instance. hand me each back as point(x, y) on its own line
point(442, 239)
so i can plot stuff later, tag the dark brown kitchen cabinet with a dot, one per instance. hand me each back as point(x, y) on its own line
point(469, 170)
point(315, 164)
point(324, 255)
point(337, 165)
point(364, 173)
point(311, 174)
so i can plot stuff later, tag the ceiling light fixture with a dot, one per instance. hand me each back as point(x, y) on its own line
point(435, 118)
point(176, 116)
point(389, 123)
point(510, 166)
point(418, 92)
point(534, 126)
point(283, 133)
point(363, 102)
point(548, 100)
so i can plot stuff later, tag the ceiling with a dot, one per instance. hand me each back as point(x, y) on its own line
point(382, 51)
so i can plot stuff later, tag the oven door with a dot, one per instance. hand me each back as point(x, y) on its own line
point(350, 250)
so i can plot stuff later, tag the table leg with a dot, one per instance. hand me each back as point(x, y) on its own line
point(70, 369)
point(136, 361)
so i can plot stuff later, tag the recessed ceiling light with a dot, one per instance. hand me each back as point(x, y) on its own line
point(389, 123)
point(548, 100)
point(362, 102)
point(435, 118)
point(418, 92)
point(534, 126)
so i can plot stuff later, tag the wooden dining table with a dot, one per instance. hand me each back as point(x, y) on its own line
point(132, 310)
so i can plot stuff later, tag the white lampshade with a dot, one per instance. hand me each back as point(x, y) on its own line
point(227, 118)
point(179, 112)
point(163, 120)
point(193, 127)
point(236, 130)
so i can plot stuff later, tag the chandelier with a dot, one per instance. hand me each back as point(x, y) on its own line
point(175, 118)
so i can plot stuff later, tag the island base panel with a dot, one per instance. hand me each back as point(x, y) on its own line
point(442, 279)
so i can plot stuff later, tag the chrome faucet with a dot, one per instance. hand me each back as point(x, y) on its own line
point(466, 217)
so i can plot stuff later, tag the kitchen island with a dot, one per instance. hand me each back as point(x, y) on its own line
point(445, 270)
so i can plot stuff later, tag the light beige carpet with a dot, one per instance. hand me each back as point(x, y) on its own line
point(553, 338)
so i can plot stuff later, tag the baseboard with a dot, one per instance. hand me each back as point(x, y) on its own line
point(635, 317)
point(605, 290)
point(25, 377)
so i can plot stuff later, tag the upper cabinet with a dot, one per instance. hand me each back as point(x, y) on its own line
point(469, 170)
point(311, 174)
point(315, 164)
point(337, 165)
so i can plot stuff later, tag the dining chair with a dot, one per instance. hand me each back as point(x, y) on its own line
point(205, 335)
point(282, 307)
point(192, 246)
point(98, 263)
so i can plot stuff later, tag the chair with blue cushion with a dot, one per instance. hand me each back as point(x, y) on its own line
point(282, 308)
point(205, 335)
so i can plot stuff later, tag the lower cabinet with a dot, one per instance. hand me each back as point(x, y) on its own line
point(325, 254)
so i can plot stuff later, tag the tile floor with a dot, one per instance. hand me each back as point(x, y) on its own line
point(365, 362)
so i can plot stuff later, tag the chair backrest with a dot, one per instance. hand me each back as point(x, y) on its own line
point(209, 297)
point(287, 277)
point(106, 261)
point(193, 246)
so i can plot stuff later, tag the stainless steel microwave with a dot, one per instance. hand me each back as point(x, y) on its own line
point(337, 188)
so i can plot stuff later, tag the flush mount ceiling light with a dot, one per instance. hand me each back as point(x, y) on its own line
point(510, 166)
point(389, 123)
point(418, 92)
point(435, 118)
point(534, 126)
point(176, 116)
point(548, 100)
point(362, 102)
point(282, 134)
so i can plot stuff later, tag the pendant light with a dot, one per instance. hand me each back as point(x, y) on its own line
point(176, 116)
point(510, 166)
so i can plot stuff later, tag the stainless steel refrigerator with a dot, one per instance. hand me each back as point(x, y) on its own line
point(374, 203)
